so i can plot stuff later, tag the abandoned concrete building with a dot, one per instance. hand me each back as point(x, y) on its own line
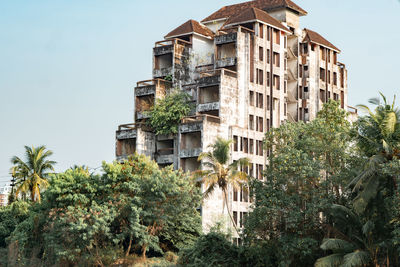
point(247, 67)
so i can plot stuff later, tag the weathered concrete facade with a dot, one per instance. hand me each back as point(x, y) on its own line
point(248, 67)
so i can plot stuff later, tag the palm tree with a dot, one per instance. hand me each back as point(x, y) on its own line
point(379, 138)
point(354, 244)
point(220, 174)
point(32, 174)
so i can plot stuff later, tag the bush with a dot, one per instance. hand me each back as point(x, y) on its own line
point(167, 113)
point(212, 249)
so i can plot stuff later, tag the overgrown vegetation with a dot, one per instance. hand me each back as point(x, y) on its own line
point(94, 220)
point(167, 112)
point(330, 197)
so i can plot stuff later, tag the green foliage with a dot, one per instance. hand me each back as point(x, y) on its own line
point(370, 224)
point(10, 217)
point(167, 113)
point(212, 249)
point(308, 169)
point(91, 220)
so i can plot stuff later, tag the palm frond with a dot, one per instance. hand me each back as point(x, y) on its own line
point(364, 196)
point(337, 245)
point(368, 227)
point(333, 260)
point(356, 259)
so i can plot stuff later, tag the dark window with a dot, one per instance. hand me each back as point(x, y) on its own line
point(235, 143)
point(335, 78)
point(251, 96)
point(260, 149)
point(261, 53)
point(261, 30)
point(251, 122)
point(276, 59)
point(245, 145)
point(251, 146)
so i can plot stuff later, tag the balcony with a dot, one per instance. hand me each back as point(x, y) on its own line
point(163, 72)
point(225, 62)
point(190, 153)
point(195, 123)
point(167, 48)
point(226, 38)
point(126, 131)
point(152, 87)
point(208, 107)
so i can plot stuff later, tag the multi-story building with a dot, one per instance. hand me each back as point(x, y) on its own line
point(4, 192)
point(248, 67)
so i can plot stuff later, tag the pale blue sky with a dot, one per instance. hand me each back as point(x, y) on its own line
point(68, 67)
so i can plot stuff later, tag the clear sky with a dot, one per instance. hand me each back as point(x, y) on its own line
point(68, 67)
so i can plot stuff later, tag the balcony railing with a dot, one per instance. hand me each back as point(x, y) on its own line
point(149, 87)
point(226, 38)
point(190, 153)
point(158, 73)
point(168, 46)
point(127, 131)
point(352, 110)
point(208, 107)
point(225, 62)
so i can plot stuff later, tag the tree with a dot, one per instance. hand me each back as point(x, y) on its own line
point(32, 174)
point(95, 219)
point(354, 246)
point(378, 136)
point(308, 171)
point(167, 113)
point(220, 174)
point(366, 233)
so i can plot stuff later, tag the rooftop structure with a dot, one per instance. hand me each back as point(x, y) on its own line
point(247, 67)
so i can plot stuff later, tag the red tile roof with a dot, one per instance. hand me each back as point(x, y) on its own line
point(190, 26)
point(265, 5)
point(253, 14)
point(315, 37)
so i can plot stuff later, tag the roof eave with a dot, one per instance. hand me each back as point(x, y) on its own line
point(256, 20)
point(213, 20)
point(189, 33)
